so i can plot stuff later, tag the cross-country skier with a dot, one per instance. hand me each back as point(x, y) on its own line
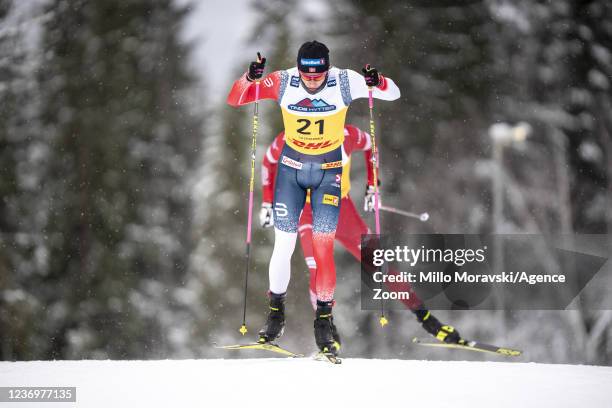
point(314, 98)
point(350, 224)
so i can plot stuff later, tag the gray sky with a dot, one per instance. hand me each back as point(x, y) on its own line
point(219, 30)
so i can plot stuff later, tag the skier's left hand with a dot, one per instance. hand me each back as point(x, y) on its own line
point(256, 69)
point(371, 75)
point(265, 215)
point(432, 325)
point(368, 201)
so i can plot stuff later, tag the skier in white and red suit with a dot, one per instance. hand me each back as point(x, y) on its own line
point(313, 97)
point(350, 224)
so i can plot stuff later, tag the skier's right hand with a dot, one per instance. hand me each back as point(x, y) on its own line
point(265, 215)
point(256, 69)
point(368, 201)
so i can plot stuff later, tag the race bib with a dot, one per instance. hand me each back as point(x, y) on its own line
point(314, 134)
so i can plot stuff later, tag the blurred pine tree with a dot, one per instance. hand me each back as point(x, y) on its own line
point(113, 88)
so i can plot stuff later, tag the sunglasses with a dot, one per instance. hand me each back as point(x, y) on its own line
point(313, 77)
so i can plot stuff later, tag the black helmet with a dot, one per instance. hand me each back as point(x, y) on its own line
point(313, 56)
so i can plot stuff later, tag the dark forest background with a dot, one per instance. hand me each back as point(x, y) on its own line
point(122, 218)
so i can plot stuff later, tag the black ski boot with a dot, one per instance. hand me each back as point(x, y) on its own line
point(335, 334)
point(275, 325)
point(442, 332)
point(326, 334)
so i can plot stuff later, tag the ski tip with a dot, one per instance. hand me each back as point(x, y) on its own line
point(509, 352)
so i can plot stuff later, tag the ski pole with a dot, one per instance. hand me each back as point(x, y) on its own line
point(374, 160)
point(421, 217)
point(243, 329)
point(383, 320)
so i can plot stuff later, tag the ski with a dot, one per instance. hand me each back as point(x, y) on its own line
point(472, 346)
point(321, 356)
point(262, 346)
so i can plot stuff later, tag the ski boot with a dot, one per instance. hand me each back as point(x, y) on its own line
point(326, 334)
point(444, 333)
point(335, 334)
point(275, 325)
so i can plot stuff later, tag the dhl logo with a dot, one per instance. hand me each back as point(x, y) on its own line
point(312, 145)
point(332, 165)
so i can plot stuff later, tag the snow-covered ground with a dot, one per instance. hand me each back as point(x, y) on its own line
point(279, 382)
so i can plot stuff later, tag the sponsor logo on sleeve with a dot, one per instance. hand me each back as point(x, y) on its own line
point(330, 199)
point(295, 81)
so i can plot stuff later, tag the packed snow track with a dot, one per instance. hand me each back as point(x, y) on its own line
point(304, 382)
